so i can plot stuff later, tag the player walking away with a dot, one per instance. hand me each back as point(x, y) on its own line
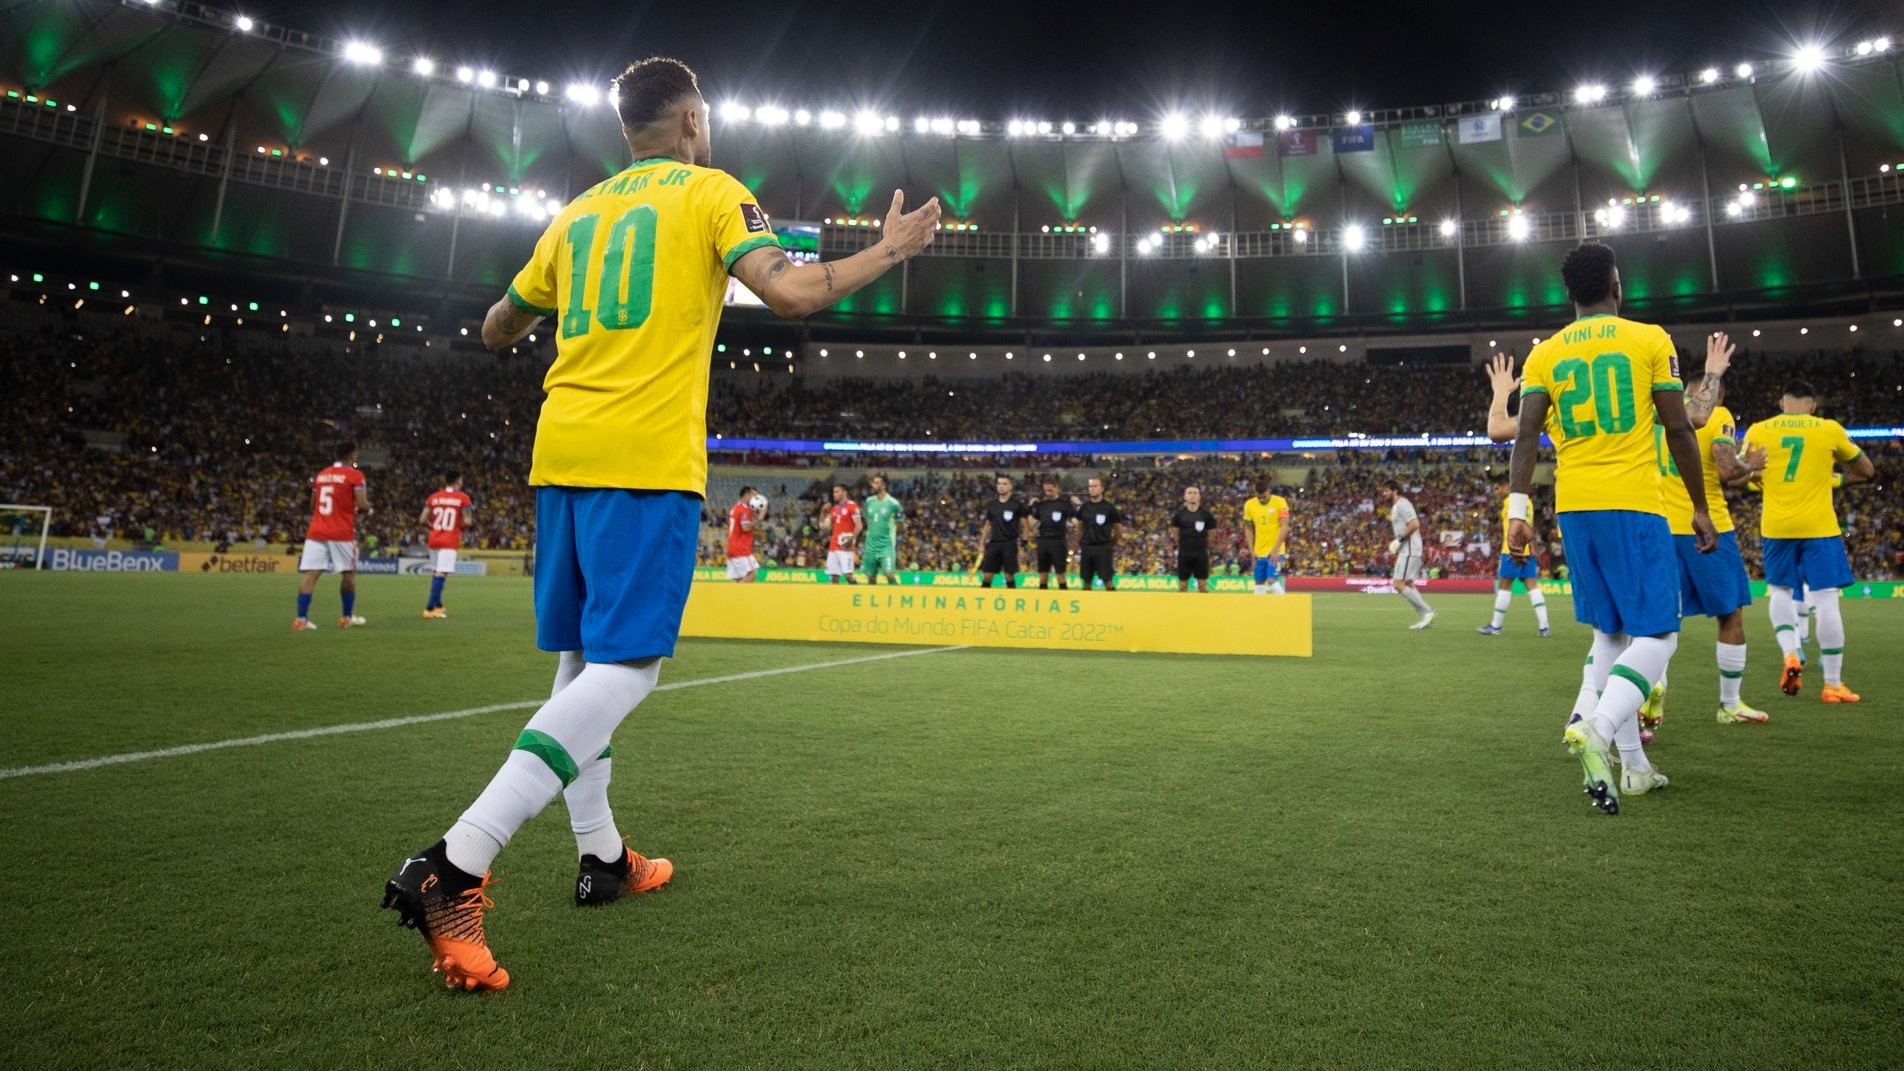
point(444, 513)
point(1098, 524)
point(1003, 528)
point(882, 513)
point(1803, 542)
point(635, 266)
point(1194, 525)
point(1267, 514)
point(1526, 570)
point(330, 544)
point(847, 524)
point(1714, 584)
point(1606, 381)
point(1054, 512)
point(741, 566)
point(1406, 547)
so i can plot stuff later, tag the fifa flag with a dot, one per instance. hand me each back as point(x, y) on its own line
point(1243, 145)
point(1537, 124)
point(1421, 135)
point(1353, 138)
point(1479, 128)
point(1297, 142)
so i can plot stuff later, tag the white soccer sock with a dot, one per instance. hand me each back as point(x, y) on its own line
point(1277, 587)
point(1807, 613)
point(1535, 596)
point(1262, 589)
point(1414, 599)
point(1831, 634)
point(1731, 670)
point(1617, 716)
point(577, 721)
point(589, 815)
point(568, 666)
point(1502, 596)
point(1784, 614)
point(1593, 675)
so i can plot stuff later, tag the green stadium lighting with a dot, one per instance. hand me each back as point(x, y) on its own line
point(38, 278)
point(254, 306)
point(152, 126)
point(1788, 182)
point(203, 300)
point(394, 322)
point(92, 286)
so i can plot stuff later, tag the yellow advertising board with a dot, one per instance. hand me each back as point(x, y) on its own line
point(1176, 623)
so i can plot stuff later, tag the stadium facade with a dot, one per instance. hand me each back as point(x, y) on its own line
point(144, 133)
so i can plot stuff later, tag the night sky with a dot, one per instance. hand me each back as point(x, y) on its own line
point(1056, 60)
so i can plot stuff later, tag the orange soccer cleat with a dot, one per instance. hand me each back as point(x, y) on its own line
point(301, 625)
point(1838, 693)
point(435, 614)
point(1790, 678)
point(451, 920)
point(604, 883)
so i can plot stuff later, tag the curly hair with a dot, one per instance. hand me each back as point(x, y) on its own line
point(1588, 273)
point(647, 89)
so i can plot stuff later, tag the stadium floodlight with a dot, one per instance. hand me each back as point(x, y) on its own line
point(244, 23)
point(831, 120)
point(1709, 75)
point(735, 112)
point(868, 122)
point(1353, 117)
point(522, 85)
point(486, 79)
point(584, 94)
point(1504, 103)
point(1591, 93)
point(772, 115)
point(1068, 128)
point(1175, 126)
point(466, 75)
point(921, 125)
point(1808, 59)
point(1448, 228)
point(892, 124)
point(1284, 122)
point(945, 128)
point(362, 54)
point(424, 66)
point(1211, 127)
point(542, 89)
point(1882, 44)
point(1743, 70)
point(1644, 85)
point(1100, 244)
point(1015, 128)
point(1354, 238)
point(1302, 235)
point(1734, 209)
point(802, 117)
point(968, 127)
point(1518, 227)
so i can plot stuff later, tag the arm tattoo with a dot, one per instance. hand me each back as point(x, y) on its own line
point(1725, 458)
point(1703, 397)
point(768, 270)
point(890, 251)
point(827, 270)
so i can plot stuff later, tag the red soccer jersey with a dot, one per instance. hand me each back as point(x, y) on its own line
point(446, 519)
point(845, 516)
point(334, 504)
point(740, 531)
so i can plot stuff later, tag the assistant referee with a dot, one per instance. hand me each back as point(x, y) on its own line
point(1098, 524)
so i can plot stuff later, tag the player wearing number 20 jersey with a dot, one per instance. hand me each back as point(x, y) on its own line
point(444, 513)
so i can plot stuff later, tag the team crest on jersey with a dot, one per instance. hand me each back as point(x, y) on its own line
point(1100, 518)
point(1199, 526)
point(1008, 515)
point(1057, 515)
point(756, 219)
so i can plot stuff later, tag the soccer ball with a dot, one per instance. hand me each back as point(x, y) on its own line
point(759, 502)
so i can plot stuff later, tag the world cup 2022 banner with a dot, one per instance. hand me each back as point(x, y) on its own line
point(1174, 623)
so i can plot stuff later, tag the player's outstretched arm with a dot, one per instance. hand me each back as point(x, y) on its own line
point(1684, 446)
point(1702, 397)
point(1743, 469)
point(796, 291)
point(1502, 382)
point(1520, 474)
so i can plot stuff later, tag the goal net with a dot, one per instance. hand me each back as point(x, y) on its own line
point(23, 532)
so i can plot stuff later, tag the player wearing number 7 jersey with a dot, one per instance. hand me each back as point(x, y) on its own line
point(1605, 380)
point(635, 269)
point(1803, 543)
point(330, 544)
point(444, 513)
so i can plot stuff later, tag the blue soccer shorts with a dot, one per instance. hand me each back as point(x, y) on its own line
point(1711, 585)
point(1623, 571)
point(612, 570)
point(1265, 569)
point(1815, 563)
point(1510, 569)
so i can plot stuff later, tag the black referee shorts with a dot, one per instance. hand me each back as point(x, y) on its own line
point(999, 558)
point(1052, 557)
point(1193, 566)
point(1095, 562)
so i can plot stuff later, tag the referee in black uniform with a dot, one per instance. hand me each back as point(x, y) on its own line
point(1098, 524)
point(1194, 525)
point(1054, 512)
point(1004, 521)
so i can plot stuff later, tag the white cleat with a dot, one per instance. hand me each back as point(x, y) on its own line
point(1426, 620)
point(1640, 782)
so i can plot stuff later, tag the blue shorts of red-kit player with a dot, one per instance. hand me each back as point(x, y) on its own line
point(1814, 563)
point(612, 570)
point(1711, 585)
point(1265, 570)
point(1621, 565)
point(1510, 569)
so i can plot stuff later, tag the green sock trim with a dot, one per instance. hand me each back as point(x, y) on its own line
point(1645, 686)
point(554, 755)
point(1731, 676)
point(607, 752)
point(1785, 628)
point(1830, 650)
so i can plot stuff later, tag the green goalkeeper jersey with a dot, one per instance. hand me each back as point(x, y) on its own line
point(882, 517)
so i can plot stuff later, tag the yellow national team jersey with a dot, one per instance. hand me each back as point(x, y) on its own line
point(636, 269)
point(1673, 489)
point(1600, 374)
point(1268, 519)
point(1800, 460)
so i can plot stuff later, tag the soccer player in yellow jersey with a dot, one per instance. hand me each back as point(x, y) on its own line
point(1605, 380)
point(1712, 584)
point(1802, 540)
point(1525, 569)
point(1267, 514)
point(635, 270)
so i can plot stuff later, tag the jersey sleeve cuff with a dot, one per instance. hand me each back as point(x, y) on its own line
point(1669, 386)
point(759, 241)
point(523, 303)
point(1532, 388)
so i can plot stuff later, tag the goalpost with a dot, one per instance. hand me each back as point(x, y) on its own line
point(14, 521)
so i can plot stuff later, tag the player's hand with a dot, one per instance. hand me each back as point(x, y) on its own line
point(1753, 459)
point(1719, 351)
point(906, 233)
point(1706, 535)
point(1520, 540)
point(1500, 374)
point(1394, 546)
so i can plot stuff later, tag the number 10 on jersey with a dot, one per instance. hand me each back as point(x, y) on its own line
point(626, 290)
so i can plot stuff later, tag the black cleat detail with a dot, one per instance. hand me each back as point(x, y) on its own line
point(598, 883)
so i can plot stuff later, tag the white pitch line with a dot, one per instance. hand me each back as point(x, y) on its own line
point(422, 719)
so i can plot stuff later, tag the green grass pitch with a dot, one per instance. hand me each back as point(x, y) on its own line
point(1378, 857)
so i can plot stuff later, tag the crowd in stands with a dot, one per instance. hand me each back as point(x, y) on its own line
point(156, 433)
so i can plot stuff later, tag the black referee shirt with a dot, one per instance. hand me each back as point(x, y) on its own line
point(1095, 520)
point(1193, 529)
point(1052, 516)
point(1005, 518)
